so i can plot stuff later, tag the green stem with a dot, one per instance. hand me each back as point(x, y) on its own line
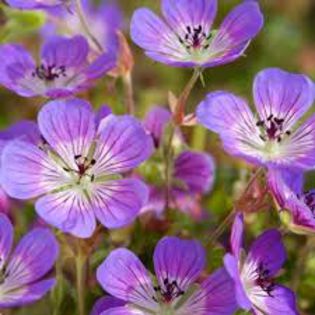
point(181, 104)
point(57, 293)
point(129, 97)
point(81, 260)
point(85, 25)
point(168, 166)
point(301, 261)
point(228, 219)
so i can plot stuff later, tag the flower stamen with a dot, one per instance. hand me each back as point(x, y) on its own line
point(49, 73)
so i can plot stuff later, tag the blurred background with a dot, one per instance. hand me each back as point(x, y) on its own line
point(286, 41)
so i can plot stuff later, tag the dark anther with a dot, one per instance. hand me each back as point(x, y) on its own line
point(66, 169)
point(278, 121)
point(198, 29)
point(262, 138)
point(195, 38)
point(170, 291)
point(93, 161)
point(264, 279)
point(272, 128)
point(92, 178)
point(76, 157)
point(260, 123)
point(49, 73)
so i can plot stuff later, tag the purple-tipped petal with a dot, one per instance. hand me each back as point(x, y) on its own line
point(237, 235)
point(153, 35)
point(282, 94)
point(123, 144)
point(156, 202)
point(155, 122)
point(230, 116)
point(281, 301)
point(28, 172)
point(16, 65)
point(195, 170)
point(224, 112)
point(26, 130)
point(26, 294)
point(34, 257)
point(68, 210)
point(6, 239)
point(241, 25)
point(102, 113)
point(232, 267)
point(100, 66)
point(63, 51)
point(106, 303)
point(123, 275)
point(117, 203)
point(69, 128)
point(5, 202)
point(178, 260)
point(126, 310)
point(33, 4)
point(215, 297)
point(267, 250)
point(180, 14)
point(287, 188)
point(299, 151)
point(284, 183)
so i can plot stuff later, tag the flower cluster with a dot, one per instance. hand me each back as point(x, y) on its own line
point(90, 173)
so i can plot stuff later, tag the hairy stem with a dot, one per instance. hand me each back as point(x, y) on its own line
point(168, 156)
point(129, 97)
point(85, 25)
point(181, 104)
point(81, 260)
point(300, 263)
point(229, 218)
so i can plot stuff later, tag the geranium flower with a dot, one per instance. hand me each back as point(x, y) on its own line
point(253, 275)
point(63, 69)
point(76, 174)
point(23, 271)
point(177, 263)
point(287, 188)
point(26, 130)
point(185, 37)
point(192, 172)
point(274, 138)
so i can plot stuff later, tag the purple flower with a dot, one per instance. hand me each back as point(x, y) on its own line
point(76, 174)
point(178, 264)
point(192, 172)
point(287, 188)
point(253, 275)
point(22, 271)
point(106, 303)
point(36, 4)
point(185, 37)
point(63, 69)
point(104, 21)
point(155, 122)
point(272, 139)
point(26, 130)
